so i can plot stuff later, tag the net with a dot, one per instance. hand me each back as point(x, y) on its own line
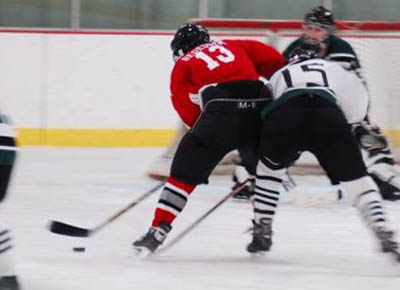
point(377, 45)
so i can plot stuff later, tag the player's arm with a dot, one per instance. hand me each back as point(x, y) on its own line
point(344, 55)
point(267, 60)
point(181, 88)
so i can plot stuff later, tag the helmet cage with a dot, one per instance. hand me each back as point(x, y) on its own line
point(320, 17)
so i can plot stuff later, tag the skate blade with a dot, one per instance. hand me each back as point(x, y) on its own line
point(258, 255)
point(311, 199)
point(140, 253)
point(241, 200)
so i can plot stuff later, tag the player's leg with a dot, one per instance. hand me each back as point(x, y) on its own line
point(383, 171)
point(8, 279)
point(339, 154)
point(244, 170)
point(221, 128)
point(198, 153)
point(280, 141)
point(364, 194)
point(8, 275)
point(248, 150)
point(192, 165)
point(379, 159)
point(388, 191)
point(265, 201)
point(160, 168)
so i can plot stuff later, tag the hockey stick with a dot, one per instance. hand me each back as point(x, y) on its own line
point(200, 219)
point(65, 229)
point(288, 183)
point(302, 197)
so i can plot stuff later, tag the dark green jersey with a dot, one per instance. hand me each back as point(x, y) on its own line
point(7, 145)
point(337, 50)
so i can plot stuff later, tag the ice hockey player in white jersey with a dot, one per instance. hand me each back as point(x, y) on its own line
point(8, 278)
point(315, 103)
point(302, 76)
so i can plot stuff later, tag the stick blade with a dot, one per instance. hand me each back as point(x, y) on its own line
point(61, 228)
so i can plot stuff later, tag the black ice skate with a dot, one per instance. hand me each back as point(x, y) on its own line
point(262, 237)
point(388, 244)
point(246, 193)
point(152, 239)
point(9, 283)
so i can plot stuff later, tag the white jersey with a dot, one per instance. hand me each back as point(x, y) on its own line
point(6, 130)
point(326, 79)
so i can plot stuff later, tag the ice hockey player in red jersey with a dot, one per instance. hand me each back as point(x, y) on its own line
point(217, 92)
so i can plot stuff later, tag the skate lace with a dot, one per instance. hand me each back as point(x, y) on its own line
point(384, 234)
point(145, 236)
point(262, 230)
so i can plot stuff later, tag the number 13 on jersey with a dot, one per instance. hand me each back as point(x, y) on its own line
point(224, 56)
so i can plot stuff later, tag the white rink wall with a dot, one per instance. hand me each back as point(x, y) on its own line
point(86, 80)
point(120, 80)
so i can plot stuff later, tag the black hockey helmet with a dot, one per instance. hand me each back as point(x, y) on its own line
point(320, 16)
point(187, 37)
point(305, 51)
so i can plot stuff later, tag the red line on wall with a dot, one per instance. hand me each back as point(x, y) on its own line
point(170, 33)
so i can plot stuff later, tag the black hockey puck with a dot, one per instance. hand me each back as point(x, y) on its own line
point(79, 249)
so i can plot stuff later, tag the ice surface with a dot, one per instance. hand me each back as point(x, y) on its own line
point(323, 247)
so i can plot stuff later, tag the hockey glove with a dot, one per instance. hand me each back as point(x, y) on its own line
point(369, 137)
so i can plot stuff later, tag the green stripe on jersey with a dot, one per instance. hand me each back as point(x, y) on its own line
point(297, 93)
point(7, 157)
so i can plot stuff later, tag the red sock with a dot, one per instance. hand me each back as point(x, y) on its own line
point(172, 201)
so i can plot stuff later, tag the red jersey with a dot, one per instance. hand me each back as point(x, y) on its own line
point(216, 62)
